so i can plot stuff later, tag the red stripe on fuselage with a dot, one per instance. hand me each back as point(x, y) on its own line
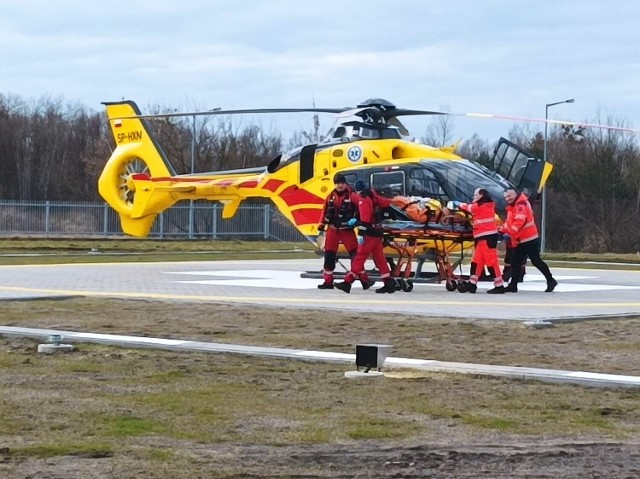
point(248, 184)
point(306, 216)
point(181, 180)
point(295, 196)
point(225, 182)
point(272, 185)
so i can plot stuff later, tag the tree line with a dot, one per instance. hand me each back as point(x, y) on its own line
point(54, 150)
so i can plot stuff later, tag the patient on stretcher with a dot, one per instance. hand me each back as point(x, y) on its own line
point(415, 212)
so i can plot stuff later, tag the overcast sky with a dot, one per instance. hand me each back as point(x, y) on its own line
point(493, 56)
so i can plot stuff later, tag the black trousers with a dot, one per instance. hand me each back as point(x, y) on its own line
point(530, 249)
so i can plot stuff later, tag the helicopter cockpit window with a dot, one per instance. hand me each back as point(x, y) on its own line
point(423, 183)
point(388, 183)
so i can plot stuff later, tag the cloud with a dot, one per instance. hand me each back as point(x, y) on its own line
point(494, 56)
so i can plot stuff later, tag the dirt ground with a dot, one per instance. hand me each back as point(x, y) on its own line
point(549, 429)
point(490, 460)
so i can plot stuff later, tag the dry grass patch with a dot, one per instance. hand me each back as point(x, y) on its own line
point(113, 412)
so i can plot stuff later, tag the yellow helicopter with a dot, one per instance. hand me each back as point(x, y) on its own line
point(369, 144)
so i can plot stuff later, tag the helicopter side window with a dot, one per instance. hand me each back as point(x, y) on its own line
point(507, 163)
point(388, 183)
point(423, 183)
point(340, 132)
point(368, 133)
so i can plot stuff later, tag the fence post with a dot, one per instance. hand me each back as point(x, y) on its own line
point(214, 225)
point(161, 225)
point(105, 219)
point(47, 211)
point(190, 219)
point(266, 221)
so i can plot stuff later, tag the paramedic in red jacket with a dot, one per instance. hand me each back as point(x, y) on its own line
point(485, 236)
point(340, 206)
point(520, 227)
point(370, 239)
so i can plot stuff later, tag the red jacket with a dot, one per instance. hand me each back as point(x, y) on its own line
point(369, 207)
point(484, 217)
point(339, 208)
point(520, 224)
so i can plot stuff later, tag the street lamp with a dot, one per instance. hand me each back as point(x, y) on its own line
point(543, 222)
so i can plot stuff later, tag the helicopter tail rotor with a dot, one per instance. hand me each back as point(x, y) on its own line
point(137, 155)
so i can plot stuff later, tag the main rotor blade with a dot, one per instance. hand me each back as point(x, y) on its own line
point(404, 112)
point(543, 120)
point(236, 112)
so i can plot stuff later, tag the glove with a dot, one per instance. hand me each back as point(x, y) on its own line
point(506, 237)
point(452, 205)
point(360, 240)
point(352, 222)
point(321, 227)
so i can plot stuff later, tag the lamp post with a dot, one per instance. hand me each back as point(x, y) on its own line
point(543, 222)
point(193, 164)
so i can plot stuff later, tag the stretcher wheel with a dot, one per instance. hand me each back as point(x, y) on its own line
point(451, 285)
point(407, 286)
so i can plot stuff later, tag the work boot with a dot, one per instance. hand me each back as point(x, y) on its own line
point(512, 288)
point(367, 284)
point(325, 286)
point(551, 285)
point(471, 288)
point(496, 290)
point(344, 286)
point(387, 288)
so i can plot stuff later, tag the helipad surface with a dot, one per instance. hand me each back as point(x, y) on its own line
point(277, 283)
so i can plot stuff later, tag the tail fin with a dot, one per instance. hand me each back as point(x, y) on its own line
point(137, 152)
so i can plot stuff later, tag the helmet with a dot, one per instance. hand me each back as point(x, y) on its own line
point(360, 185)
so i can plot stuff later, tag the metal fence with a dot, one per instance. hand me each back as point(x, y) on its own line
point(186, 220)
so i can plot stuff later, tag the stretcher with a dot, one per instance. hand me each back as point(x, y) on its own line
point(410, 244)
point(444, 242)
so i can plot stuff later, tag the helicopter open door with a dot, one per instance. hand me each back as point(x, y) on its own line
point(520, 167)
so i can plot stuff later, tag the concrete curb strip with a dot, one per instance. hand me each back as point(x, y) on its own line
point(583, 378)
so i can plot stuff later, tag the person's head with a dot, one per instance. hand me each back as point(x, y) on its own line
point(510, 195)
point(480, 195)
point(360, 185)
point(340, 182)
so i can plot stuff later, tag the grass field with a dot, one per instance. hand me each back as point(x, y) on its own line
point(45, 250)
point(112, 412)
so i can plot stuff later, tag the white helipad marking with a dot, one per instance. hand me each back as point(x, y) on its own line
point(267, 278)
point(260, 278)
point(539, 277)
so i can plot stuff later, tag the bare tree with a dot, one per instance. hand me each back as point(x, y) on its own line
point(440, 130)
point(476, 149)
point(596, 177)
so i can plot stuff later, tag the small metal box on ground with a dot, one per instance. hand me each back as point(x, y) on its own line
point(371, 356)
